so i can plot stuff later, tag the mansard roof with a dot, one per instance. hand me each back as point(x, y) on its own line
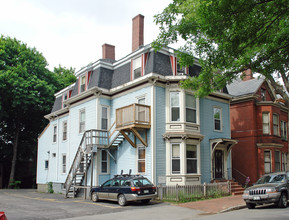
point(108, 74)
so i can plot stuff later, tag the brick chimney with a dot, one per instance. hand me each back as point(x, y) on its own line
point(108, 51)
point(137, 31)
point(247, 75)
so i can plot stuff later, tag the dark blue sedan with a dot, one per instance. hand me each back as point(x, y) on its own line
point(124, 188)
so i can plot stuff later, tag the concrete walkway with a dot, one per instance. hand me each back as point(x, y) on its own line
point(217, 205)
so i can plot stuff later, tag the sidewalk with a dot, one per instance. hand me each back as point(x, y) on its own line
point(217, 205)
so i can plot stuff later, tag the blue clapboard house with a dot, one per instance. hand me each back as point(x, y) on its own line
point(132, 114)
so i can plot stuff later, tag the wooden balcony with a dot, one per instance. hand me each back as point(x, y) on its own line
point(133, 116)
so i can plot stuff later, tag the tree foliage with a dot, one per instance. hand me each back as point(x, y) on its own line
point(27, 90)
point(229, 37)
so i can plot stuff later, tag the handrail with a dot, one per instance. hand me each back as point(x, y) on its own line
point(240, 173)
point(87, 139)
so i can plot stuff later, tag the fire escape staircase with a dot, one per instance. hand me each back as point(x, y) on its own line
point(129, 119)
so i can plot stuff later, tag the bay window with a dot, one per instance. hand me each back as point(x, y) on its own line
point(191, 153)
point(266, 122)
point(276, 124)
point(191, 112)
point(176, 160)
point(175, 106)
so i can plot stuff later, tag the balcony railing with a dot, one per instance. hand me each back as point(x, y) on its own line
point(135, 115)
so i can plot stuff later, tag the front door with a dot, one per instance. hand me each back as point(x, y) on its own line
point(218, 164)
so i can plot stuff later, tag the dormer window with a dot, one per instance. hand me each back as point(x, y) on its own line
point(65, 97)
point(137, 68)
point(181, 70)
point(82, 84)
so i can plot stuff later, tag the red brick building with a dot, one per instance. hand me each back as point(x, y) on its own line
point(259, 123)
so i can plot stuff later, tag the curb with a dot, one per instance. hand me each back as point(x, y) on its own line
point(233, 208)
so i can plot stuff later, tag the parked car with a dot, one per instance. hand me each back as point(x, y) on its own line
point(270, 188)
point(124, 188)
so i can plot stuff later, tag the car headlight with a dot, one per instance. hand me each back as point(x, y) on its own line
point(271, 190)
point(246, 192)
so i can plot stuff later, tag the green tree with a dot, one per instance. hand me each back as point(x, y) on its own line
point(27, 90)
point(229, 37)
point(65, 76)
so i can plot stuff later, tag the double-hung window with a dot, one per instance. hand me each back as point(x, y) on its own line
point(266, 122)
point(81, 121)
point(284, 162)
point(65, 96)
point(284, 130)
point(192, 161)
point(104, 161)
point(277, 161)
point(82, 83)
point(267, 161)
point(137, 68)
point(176, 159)
point(217, 119)
point(64, 131)
point(54, 134)
point(175, 106)
point(276, 124)
point(104, 118)
point(191, 109)
point(63, 163)
point(141, 110)
point(141, 159)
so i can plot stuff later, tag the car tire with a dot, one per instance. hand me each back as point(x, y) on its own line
point(283, 200)
point(250, 205)
point(145, 201)
point(121, 200)
point(94, 197)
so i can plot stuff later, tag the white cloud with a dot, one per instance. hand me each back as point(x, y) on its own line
point(71, 33)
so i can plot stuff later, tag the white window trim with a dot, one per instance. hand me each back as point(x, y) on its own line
point(141, 147)
point(197, 109)
point(108, 115)
point(179, 106)
point(221, 119)
point(79, 121)
point(54, 133)
point(197, 158)
point(63, 130)
point(171, 158)
point(133, 67)
point(80, 83)
point(63, 164)
point(141, 97)
point(107, 162)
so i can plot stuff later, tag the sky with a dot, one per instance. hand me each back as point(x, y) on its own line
point(71, 33)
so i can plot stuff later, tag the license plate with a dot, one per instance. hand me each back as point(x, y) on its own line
point(146, 191)
point(256, 198)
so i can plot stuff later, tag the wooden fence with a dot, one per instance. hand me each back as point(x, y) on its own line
point(187, 192)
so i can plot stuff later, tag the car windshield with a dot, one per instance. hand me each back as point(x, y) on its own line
point(271, 179)
point(142, 182)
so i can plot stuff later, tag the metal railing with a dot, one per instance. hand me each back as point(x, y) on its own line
point(90, 139)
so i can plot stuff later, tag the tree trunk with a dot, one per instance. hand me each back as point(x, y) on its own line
point(14, 159)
